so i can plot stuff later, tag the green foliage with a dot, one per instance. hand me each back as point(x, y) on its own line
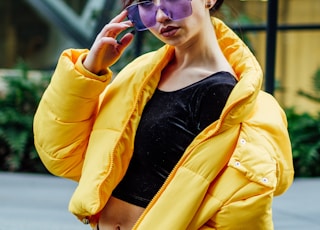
point(304, 131)
point(314, 95)
point(17, 108)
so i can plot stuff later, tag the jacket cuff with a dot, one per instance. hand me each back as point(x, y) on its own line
point(106, 76)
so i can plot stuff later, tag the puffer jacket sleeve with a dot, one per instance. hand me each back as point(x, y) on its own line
point(263, 162)
point(65, 115)
point(260, 168)
point(255, 216)
point(249, 207)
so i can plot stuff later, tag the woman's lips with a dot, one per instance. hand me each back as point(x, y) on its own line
point(169, 31)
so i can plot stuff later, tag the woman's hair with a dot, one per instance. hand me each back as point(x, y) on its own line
point(127, 3)
point(214, 9)
point(217, 6)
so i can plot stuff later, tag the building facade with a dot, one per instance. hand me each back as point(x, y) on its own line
point(28, 35)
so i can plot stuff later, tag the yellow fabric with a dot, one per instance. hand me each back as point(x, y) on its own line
point(84, 130)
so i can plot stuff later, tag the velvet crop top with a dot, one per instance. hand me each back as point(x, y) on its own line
point(169, 123)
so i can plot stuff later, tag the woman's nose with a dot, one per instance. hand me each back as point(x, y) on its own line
point(161, 16)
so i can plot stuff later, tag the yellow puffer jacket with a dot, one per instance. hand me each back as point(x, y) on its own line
point(84, 130)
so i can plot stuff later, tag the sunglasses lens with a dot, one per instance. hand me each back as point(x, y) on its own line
point(143, 14)
point(134, 17)
point(147, 12)
point(177, 9)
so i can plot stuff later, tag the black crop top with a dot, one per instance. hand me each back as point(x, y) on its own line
point(169, 123)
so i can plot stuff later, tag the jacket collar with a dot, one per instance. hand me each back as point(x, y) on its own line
point(244, 63)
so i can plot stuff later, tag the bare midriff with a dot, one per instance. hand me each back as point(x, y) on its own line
point(119, 215)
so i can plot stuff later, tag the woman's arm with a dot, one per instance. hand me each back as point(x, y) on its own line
point(66, 113)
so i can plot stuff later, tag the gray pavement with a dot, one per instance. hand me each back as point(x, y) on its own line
point(40, 202)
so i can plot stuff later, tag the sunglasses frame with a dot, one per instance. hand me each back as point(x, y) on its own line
point(138, 26)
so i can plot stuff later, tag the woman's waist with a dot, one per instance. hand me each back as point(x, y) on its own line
point(118, 214)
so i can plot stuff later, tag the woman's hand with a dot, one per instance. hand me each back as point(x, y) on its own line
point(106, 50)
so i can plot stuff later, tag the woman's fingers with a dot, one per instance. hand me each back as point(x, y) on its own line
point(125, 41)
point(120, 17)
point(115, 26)
point(112, 30)
point(106, 49)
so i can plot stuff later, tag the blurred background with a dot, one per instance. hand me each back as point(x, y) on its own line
point(283, 34)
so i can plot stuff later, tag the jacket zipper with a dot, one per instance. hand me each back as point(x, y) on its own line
point(126, 124)
point(180, 163)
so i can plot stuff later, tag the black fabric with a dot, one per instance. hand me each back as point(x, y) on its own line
point(169, 123)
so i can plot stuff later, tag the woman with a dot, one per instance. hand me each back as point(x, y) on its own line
point(182, 138)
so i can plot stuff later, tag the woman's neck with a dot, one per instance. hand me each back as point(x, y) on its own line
point(201, 51)
point(204, 53)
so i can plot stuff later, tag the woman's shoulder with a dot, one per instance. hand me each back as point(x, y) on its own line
point(150, 58)
point(145, 63)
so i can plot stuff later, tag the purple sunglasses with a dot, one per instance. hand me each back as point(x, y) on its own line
point(143, 14)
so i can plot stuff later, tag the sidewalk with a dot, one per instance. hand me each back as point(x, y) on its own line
point(40, 202)
point(299, 207)
point(36, 202)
